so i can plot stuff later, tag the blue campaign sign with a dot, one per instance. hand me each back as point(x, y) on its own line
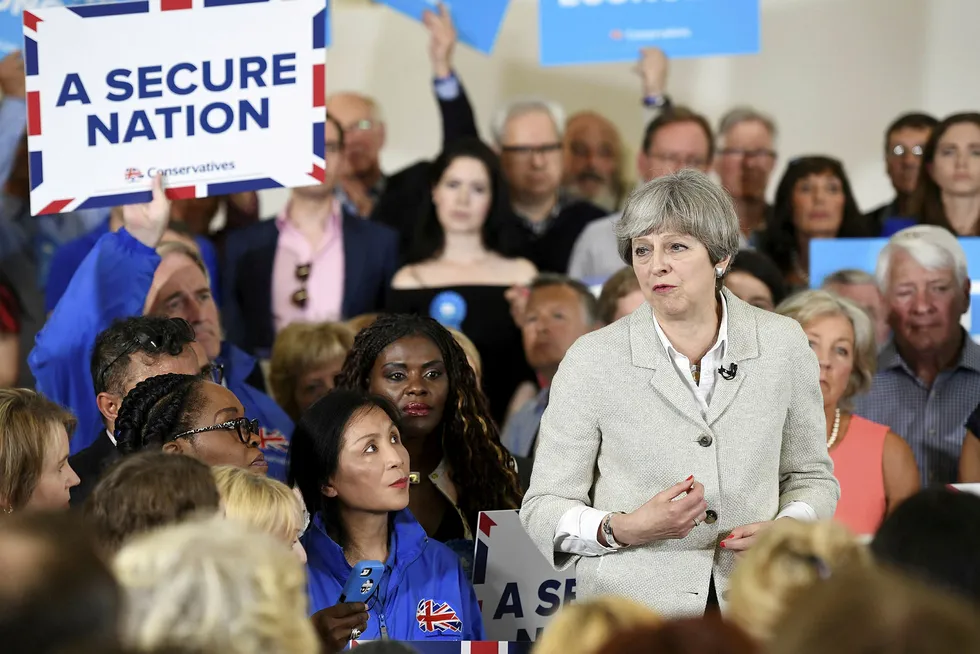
point(827, 256)
point(597, 31)
point(477, 22)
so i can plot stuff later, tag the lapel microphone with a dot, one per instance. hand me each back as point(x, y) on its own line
point(729, 373)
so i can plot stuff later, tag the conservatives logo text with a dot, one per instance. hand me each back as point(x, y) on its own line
point(134, 174)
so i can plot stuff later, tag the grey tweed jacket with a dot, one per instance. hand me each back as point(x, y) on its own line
point(622, 425)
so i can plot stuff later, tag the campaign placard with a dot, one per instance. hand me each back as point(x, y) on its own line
point(828, 255)
point(597, 31)
point(477, 22)
point(189, 89)
point(516, 586)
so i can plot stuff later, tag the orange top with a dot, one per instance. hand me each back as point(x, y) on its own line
point(858, 468)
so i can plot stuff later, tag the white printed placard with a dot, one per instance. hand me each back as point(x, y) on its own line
point(218, 96)
point(516, 586)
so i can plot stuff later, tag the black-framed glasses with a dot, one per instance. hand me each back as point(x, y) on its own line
point(246, 429)
point(528, 151)
point(748, 154)
point(302, 296)
point(152, 342)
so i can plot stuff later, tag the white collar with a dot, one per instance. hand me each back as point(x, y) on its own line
point(720, 342)
point(111, 437)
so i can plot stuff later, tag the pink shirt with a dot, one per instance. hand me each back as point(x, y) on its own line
point(325, 285)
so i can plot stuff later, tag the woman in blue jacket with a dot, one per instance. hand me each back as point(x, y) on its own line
point(349, 462)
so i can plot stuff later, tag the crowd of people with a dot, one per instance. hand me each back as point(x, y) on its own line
point(203, 432)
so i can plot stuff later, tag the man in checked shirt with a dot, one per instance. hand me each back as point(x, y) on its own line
point(928, 379)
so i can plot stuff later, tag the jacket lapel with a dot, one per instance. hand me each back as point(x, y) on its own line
point(742, 344)
point(648, 352)
point(354, 259)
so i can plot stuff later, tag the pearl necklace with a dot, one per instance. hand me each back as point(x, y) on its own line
point(833, 432)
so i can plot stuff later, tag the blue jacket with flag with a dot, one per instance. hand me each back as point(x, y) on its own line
point(424, 594)
point(112, 283)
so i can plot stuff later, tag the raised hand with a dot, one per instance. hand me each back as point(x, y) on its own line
point(335, 624)
point(12, 76)
point(652, 68)
point(442, 40)
point(147, 222)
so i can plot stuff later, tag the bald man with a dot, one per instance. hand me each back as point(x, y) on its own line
point(594, 160)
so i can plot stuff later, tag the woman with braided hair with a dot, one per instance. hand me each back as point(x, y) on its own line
point(184, 414)
point(459, 467)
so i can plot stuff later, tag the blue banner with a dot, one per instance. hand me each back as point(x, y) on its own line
point(827, 256)
point(597, 31)
point(477, 22)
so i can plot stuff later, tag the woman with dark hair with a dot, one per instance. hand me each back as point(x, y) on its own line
point(754, 278)
point(459, 467)
point(456, 272)
point(948, 192)
point(353, 470)
point(184, 414)
point(814, 200)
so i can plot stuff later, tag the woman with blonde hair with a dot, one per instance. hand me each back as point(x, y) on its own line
point(584, 627)
point(34, 469)
point(306, 358)
point(875, 467)
point(263, 503)
point(196, 586)
point(785, 563)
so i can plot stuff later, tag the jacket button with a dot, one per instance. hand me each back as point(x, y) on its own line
point(705, 440)
point(710, 517)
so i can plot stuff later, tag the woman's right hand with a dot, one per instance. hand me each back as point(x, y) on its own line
point(335, 624)
point(669, 514)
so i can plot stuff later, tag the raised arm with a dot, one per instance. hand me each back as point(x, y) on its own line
point(13, 111)
point(112, 282)
point(458, 120)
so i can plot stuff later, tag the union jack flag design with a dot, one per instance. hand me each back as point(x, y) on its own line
point(133, 174)
point(434, 617)
point(272, 439)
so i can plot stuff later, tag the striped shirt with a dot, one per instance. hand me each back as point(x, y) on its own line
point(931, 419)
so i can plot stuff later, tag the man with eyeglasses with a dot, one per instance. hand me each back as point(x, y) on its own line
point(125, 354)
point(744, 164)
point(904, 141)
point(676, 139)
point(124, 276)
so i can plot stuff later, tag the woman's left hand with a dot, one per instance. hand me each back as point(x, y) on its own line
point(742, 538)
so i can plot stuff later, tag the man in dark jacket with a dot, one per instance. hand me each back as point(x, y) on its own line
point(125, 354)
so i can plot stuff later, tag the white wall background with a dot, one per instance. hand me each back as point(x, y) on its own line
point(832, 72)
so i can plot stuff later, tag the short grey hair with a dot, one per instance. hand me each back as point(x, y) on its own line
point(930, 246)
point(807, 306)
point(740, 115)
point(524, 106)
point(848, 277)
point(686, 202)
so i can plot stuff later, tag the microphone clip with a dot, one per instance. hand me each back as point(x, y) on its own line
point(729, 373)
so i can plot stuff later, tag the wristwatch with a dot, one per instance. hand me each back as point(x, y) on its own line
point(608, 532)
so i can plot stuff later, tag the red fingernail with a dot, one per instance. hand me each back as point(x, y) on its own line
point(722, 543)
point(689, 478)
point(730, 536)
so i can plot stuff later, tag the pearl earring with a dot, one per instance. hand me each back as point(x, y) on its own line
point(719, 272)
